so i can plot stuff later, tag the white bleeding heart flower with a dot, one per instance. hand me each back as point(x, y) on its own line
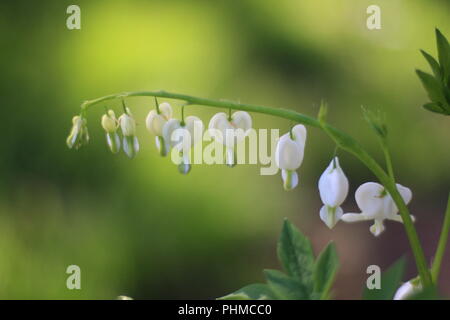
point(289, 155)
point(182, 136)
point(155, 121)
point(233, 129)
point(128, 127)
point(333, 189)
point(376, 204)
point(110, 125)
point(408, 289)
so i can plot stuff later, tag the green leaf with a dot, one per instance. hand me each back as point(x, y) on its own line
point(390, 282)
point(444, 54)
point(285, 287)
point(295, 254)
point(325, 270)
point(434, 107)
point(432, 86)
point(433, 64)
point(257, 291)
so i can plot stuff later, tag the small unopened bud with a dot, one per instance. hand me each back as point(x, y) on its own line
point(127, 124)
point(109, 122)
point(79, 135)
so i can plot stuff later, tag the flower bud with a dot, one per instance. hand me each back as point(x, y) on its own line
point(79, 135)
point(128, 125)
point(109, 122)
point(155, 121)
point(130, 141)
point(289, 155)
point(333, 189)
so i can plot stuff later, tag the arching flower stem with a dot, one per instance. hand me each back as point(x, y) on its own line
point(343, 141)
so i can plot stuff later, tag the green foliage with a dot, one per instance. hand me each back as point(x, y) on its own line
point(305, 277)
point(390, 282)
point(438, 84)
point(376, 120)
point(325, 270)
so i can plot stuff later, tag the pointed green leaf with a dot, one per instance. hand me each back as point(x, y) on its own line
point(285, 287)
point(434, 107)
point(295, 254)
point(432, 86)
point(390, 282)
point(325, 270)
point(257, 291)
point(443, 54)
point(433, 64)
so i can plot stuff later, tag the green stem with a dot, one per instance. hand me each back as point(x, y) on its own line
point(343, 140)
point(387, 157)
point(440, 251)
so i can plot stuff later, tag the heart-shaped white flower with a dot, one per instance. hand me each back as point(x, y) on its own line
point(233, 130)
point(128, 127)
point(376, 204)
point(289, 155)
point(155, 121)
point(333, 189)
point(182, 137)
point(110, 125)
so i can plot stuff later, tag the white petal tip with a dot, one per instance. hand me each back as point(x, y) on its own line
point(330, 216)
point(290, 179)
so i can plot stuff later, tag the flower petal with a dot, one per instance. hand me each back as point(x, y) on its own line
point(333, 185)
point(331, 215)
point(377, 228)
point(242, 120)
point(165, 110)
point(288, 155)
point(290, 179)
point(370, 199)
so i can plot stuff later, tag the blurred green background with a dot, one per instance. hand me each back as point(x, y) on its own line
point(138, 227)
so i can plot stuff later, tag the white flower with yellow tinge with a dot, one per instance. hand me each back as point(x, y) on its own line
point(155, 121)
point(110, 125)
point(333, 189)
point(79, 135)
point(289, 155)
point(376, 204)
point(233, 129)
point(182, 136)
point(128, 127)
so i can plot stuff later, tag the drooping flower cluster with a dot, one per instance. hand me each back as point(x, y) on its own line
point(181, 136)
point(372, 199)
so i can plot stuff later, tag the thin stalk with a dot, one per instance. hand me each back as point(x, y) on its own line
point(343, 140)
point(387, 157)
point(440, 251)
